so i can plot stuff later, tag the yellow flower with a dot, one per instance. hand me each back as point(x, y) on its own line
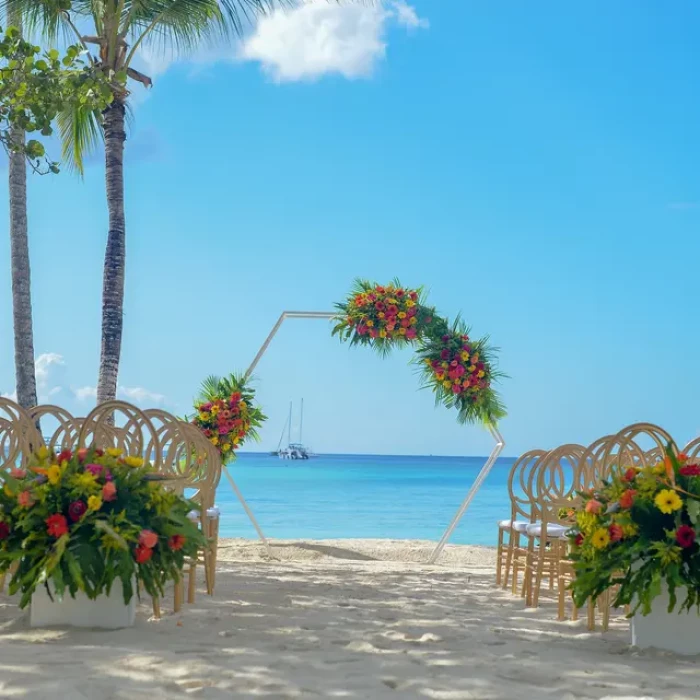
point(227, 447)
point(54, 474)
point(382, 333)
point(447, 384)
point(369, 323)
point(402, 331)
point(660, 468)
point(381, 314)
point(414, 320)
point(464, 356)
point(114, 452)
point(427, 361)
point(630, 530)
point(668, 501)
point(43, 452)
point(600, 538)
point(481, 374)
point(8, 491)
point(401, 314)
point(86, 480)
point(444, 364)
point(94, 503)
point(391, 301)
point(410, 303)
point(214, 410)
point(215, 440)
point(472, 367)
point(133, 461)
point(204, 416)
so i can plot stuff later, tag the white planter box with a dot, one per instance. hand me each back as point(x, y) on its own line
point(679, 633)
point(107, 612)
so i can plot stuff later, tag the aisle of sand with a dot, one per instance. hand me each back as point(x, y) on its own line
point(342, 619)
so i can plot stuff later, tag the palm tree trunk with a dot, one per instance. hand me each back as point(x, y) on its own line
point(21, 274)
point(113, 280)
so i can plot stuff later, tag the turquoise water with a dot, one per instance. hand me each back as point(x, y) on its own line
point(345, 496)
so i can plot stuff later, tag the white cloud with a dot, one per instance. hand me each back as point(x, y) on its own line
point(307, 41)
point(86, 392)
point(43, 367)
point(135, 394)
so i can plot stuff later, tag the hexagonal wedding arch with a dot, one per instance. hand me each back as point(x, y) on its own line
point(459, 370)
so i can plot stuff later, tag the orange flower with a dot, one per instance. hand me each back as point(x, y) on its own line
point(593, 506)
point(627, 498)
point(669, 469)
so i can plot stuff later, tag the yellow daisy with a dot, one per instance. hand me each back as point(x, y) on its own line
point(94, 503)
point(600, 538)
point(668, 501)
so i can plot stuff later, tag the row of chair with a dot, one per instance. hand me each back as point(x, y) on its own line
point(175, 448)
point(544, 488)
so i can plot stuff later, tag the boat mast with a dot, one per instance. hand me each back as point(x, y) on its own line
point(301, 423)
point(289, 434)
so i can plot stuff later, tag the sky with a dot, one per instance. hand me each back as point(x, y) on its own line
point(533, 165)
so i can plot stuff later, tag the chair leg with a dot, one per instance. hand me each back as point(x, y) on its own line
point(179, 594)
point(591, 614)
point(561, 603)
point(499, 556)
point(606, 610)
point(513, 541)
point(535, 597)
point(192, 583)
point(156, 608)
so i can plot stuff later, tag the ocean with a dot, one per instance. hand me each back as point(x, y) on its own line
point(363, 496)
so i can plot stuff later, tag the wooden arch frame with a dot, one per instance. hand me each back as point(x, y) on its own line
point(481, 476)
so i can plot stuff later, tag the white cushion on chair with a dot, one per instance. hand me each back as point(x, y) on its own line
point(213, 513)
point(552, 530)
point(517, 525)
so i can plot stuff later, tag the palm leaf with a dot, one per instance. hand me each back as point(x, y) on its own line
point(80, 133)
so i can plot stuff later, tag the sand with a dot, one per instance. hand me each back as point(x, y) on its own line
point(342, 619)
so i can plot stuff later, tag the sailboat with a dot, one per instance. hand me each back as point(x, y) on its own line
point(294, 450)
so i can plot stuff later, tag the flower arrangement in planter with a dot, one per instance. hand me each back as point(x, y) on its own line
point(226, 413)
point(458, 370)
point(85, 520)
point(639, 531)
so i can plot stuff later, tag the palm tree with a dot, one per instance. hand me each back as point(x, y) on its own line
point(119, 28)
point(25, 375)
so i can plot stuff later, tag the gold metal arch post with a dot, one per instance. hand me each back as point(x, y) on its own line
point(488, 465)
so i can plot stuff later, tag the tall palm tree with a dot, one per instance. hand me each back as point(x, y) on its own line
point(25, 375)
point(118, 28)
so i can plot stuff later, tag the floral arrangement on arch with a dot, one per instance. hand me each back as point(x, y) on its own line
point(82, 520)
point(460, 371)
point(639, 530)
point(226, 413)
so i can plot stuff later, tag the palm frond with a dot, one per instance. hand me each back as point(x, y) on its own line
point(80, 134)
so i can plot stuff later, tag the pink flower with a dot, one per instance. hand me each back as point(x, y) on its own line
point(25, 499)
point(411, 333)
point(148, 538)
point(82, 454)
point(373, 332)
point(445, 354)
point(456, 389)
point(94, 469)
point(16, 473)
point(109, 492)
point(593, 506)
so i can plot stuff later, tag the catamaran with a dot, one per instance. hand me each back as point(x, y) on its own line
point(294, 450)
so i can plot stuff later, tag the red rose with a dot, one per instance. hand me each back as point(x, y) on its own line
point(627, 498)
point(176, 542)
point(579, 539)
point(685, 536)
point(630, 474)
point(65, 456)
point(142, 554)
point(690, 470)
point(4, 531)
point(56, 525)
point(76, 510)
point(616, 532)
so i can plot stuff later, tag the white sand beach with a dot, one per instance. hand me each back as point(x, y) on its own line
point(342, 619)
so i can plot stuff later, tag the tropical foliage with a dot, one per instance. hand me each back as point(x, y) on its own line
point(36, 86)
point(226, 413)
point(81, 521)
point(638, 531)
point(458, 370)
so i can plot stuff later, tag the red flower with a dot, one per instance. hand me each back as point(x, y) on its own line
point(411, 333)
point(400, 293)
point(579, 539)
point(76, 510)
point(373, 333)
point(148, 539)
point(413, 295)
point(627, 498)
point(456, 389)
point(445, 354)
point(616, 532)
point(56, 525)
point(4, 531)
point(381, 290)
point(682, 457)
point(82, 454)
point(685, 536)
point(109, 492)
point(630, 474)
point(690, 470)
point(65, 456)
point(445, 338)
point(176, 542)
point(380, 306)
point(142, 554)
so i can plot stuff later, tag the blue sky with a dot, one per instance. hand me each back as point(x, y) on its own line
point(535, 165)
